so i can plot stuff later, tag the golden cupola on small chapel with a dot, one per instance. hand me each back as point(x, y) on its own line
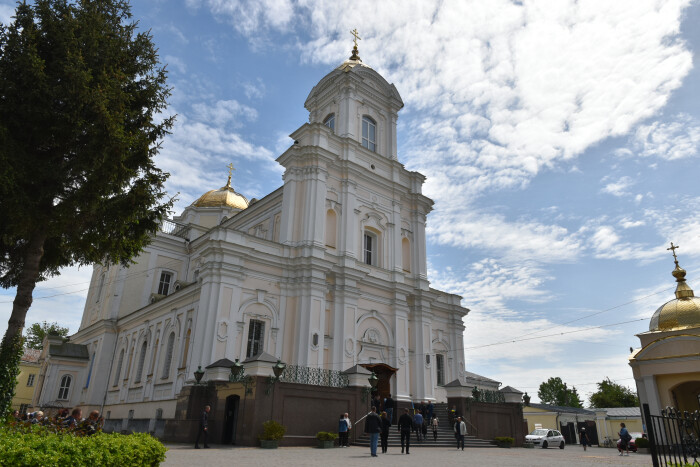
point(225, 196)
point(681, 313)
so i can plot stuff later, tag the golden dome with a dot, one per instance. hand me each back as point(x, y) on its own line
point(224, 196)
point(681, 313)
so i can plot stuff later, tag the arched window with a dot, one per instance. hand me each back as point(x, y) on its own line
point(187, 348)
point(128, 365)
point(120, 362)
point(331, 228)
point(256, 334)
point(64, 389)
point(369, 133)
point(153, 359)
point(440, 369)
point(330, 122)
point(99, 288)
point(406, 254)
point(168, 355)
point(142, 360)
point(370, 248)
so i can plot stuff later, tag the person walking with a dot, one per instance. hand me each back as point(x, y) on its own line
point(434, 424)
point(386, 424)
point(342, 431)
point(585, 440)
point(625, 438)
point(203, 427)
point(418, 425)
point(430, 409)
point(389, 408)
point(373, 426)
point(405, 423)
point(460, 432)
point(347, 419)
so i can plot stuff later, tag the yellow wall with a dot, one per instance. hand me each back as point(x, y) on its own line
point(666, 383)
point(544, 419)
point(632, 424)
point(24, 393)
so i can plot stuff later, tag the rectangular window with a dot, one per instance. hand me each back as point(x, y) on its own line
point(369, 129)
point(23, 408)
point(368, 249)
point(256, 333)
point(440, 367)
point(164, 283)
point(30, 380)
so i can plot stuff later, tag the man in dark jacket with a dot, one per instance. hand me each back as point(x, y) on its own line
point(203, 426)
point(389, 408)
point(373, 425)
point(405, 424)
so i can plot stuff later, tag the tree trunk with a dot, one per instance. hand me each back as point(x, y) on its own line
point(25, 287)
point(11, 347)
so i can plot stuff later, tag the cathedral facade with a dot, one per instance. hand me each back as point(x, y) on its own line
point(329, 271)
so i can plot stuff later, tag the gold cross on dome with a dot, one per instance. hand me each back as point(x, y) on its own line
point(673, 250)
point(230, 173)
point(357, 36)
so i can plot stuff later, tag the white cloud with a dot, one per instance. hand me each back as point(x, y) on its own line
point(224, 112)
point(672, 140)
point(627, 223)
point(175, 62)
point(7, 11)
point(254, 90)
point(619, 187)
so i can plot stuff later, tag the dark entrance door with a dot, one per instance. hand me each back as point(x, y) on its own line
point(591, 430)
point(230, 417)
point(569, 433)
point(384, 372)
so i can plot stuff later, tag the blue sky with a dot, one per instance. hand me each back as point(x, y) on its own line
point(560, 140)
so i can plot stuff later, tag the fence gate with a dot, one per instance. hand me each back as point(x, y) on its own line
point(674, 437)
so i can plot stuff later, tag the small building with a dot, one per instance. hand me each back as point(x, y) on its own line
point(608, 421)
point(27, 380)
point(568, 420)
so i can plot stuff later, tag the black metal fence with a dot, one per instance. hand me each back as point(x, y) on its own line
point(674, 437)
point(314, 376)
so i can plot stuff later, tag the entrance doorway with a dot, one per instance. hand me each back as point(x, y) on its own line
point(384, 373)
point(230, 417)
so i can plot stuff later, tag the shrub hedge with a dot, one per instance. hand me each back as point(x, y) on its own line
point(43, 448)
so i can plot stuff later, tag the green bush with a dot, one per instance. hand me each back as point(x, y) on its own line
point(326, 436)
point(504, 440)
point(641, 442)
point(272, 430)
point(41, 447)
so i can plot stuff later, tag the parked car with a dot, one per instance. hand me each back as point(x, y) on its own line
point(633, 444)
point(545, 437)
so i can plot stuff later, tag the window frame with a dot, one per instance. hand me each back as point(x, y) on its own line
point(64, 387)
point(141, 362)
point(440, 369)
point(329, 121)
point(259, 346)
point(120, 363)
point(168, 285)
point(373, 250)
point(30, 379)
point(369, 139)
point(168, 360)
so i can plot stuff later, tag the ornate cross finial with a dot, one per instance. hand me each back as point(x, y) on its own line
point(230, 173)
point(355, 54)
point(673, 250)
point(357, 36)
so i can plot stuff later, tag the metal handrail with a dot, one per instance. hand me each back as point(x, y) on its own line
point(476, 430)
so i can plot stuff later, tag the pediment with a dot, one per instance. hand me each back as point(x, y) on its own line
point(670, 347)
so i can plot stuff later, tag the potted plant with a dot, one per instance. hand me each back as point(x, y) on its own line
point(504, 441)
point(272, 433)
point(642, 445)
point(326, 439)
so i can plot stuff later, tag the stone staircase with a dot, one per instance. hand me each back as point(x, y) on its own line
point(445, 438)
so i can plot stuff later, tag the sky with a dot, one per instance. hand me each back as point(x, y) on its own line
point(560, 141)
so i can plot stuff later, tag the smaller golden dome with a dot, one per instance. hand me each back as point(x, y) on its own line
point(681, 313)
point(224, 196)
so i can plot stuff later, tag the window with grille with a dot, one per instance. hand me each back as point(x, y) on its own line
point(164, 283)
point(30, 380)
point(168, 355)
point(369, 133)
point(64, 389)
point(440, 368)
point(256, 333)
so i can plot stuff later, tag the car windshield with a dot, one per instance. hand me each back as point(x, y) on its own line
point(539, 433)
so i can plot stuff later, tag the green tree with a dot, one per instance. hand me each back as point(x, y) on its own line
point(554, 391)
point(37, 331)
point(611, 394)
point(81, 97)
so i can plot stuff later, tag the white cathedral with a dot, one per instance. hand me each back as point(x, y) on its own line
point(328, 271)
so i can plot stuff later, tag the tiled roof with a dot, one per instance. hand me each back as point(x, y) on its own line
point(470, 375)
point(30, 355)
point(631, 412)
point(510, 389)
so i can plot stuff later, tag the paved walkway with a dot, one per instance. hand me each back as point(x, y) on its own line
point(186, 456)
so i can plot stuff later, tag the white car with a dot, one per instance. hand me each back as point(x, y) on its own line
point(546, 438)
